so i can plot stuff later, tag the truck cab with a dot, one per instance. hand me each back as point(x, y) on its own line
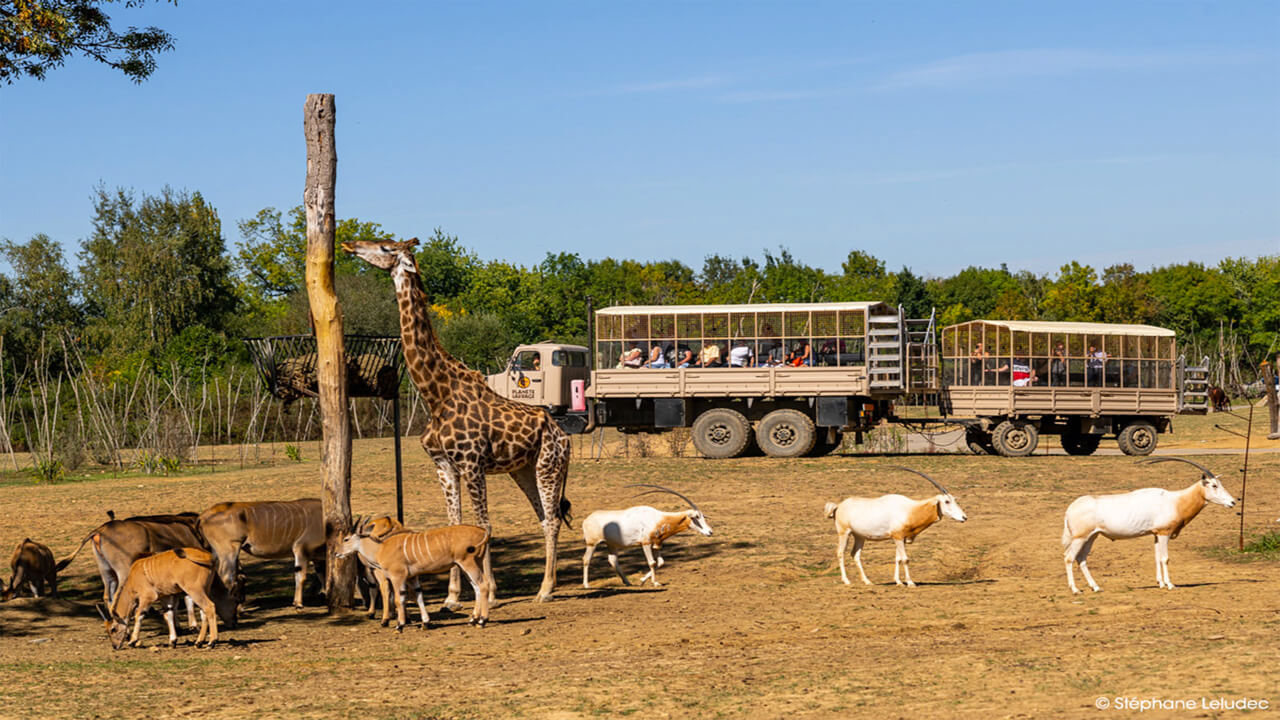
point(543, 374)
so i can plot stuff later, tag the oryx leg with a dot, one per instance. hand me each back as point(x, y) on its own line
point(1082, 558)
point(900, 560)
point(653, 566)
point(1162, 560)
point(613, 562)
point(1069, 556)
point(842, 544)
point(586, 565)
point(857, 557)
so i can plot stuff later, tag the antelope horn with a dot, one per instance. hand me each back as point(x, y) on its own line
point(661, 489)
point(102, 613)
point(1207, 472)
point(926, 477)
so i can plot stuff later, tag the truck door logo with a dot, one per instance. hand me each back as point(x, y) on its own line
point(523, 382)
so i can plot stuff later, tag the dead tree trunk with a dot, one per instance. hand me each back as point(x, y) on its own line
point(335, 459)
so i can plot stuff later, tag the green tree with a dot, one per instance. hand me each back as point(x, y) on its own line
point(1124, 297)
point(483, 340)
point(39, 35)
point(1073, 296)
point(445, 265)
point(154, 267)
point(863, 278)
point(912, 294)
point(38, 301)
point(271, 259)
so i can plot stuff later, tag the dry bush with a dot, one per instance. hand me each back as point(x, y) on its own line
point(678, 441)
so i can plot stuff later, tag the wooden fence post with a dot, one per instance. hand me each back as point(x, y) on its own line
point(1269, 388)
point(326, 315)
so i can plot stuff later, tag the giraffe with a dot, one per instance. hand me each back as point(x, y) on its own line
point(472, 431)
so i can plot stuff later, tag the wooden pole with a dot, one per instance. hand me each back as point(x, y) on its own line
point(335, 455)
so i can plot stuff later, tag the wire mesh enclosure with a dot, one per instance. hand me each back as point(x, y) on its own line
point(287, 364)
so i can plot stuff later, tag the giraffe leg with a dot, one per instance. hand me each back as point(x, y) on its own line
point(544, 487)
point(447, 474)
point(475, 481)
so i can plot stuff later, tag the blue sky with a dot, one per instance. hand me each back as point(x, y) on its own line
point(934, 135)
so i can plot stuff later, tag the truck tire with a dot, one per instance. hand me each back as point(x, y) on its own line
point(1137, 438)
point(821, 448)
point(786, 434)
point(1080, 443)
point(979, 442)
point(721, 433)
point(1015, 438)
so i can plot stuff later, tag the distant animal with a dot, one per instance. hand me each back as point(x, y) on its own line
point(269, 529)
point(1218, 399)
point(402, 554)
point(165, 577)
point(118, 543)
point(1149, 511)
point(889, 517)
point(641, 525)
point(32, 563)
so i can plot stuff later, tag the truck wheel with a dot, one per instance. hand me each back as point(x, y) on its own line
point(979, 442)
point(1137, 438)
point(786, 433)
point(826, 448)
point(721, 433)
point(1015, 438)
point(1080, 443)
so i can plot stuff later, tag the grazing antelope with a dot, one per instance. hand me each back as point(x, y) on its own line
point(640, 525)
point(402, 554)
point(1149, 511)
point(117, 543)
point(166, 576)
point(895, 517)
point(32, 563)
point(266, 530)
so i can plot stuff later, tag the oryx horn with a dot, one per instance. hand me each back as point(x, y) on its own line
point(1207, 472)
point(661, 489)
point(926, 477)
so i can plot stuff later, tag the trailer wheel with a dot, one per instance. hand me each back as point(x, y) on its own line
point(979, 442)
point(786, 433)
point(721, 433)
point(1137, 438)
point(1080, 443)
point(1015, 438)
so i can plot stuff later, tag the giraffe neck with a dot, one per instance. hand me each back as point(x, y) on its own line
point(430, 367)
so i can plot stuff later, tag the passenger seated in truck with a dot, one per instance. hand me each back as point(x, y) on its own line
point(710, 356)
point(740, 355)
point(802, 355)
point(684, 357)
point(632, 358)
point(657, 361)
point(1022, 373)
point(773, 356)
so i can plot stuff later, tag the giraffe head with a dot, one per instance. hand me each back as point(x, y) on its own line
point(387, 255)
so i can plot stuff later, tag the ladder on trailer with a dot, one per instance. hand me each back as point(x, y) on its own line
point(885, 348)
point(1194, 382)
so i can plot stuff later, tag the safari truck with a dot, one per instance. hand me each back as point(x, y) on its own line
point(790, 379)
point(1009, 382)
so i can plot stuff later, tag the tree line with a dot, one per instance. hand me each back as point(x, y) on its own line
point(147, 317)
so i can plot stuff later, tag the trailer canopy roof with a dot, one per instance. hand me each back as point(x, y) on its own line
point(1077, 328)
point(757, 307)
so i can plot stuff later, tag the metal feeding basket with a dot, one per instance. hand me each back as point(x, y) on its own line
point(375, 364)
point(287, 364)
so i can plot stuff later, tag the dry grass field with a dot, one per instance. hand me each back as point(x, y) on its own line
point(752, 622)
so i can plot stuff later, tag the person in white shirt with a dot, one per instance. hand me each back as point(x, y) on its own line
point(740, 356)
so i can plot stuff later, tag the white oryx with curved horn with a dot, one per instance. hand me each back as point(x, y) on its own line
point(1149, 511)
point(895, 517)
point(640, 525)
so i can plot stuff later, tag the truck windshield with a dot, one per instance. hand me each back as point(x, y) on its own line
point(569, 358)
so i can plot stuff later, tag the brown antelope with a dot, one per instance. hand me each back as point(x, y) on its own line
point(640, 525)
point(402, 554)
point(266, 530)
point(118, 543)
point(889, 517)
point(32, 563)
point(370, 579)
point(165, 577)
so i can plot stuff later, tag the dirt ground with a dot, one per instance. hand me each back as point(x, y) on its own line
point(752, 622)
